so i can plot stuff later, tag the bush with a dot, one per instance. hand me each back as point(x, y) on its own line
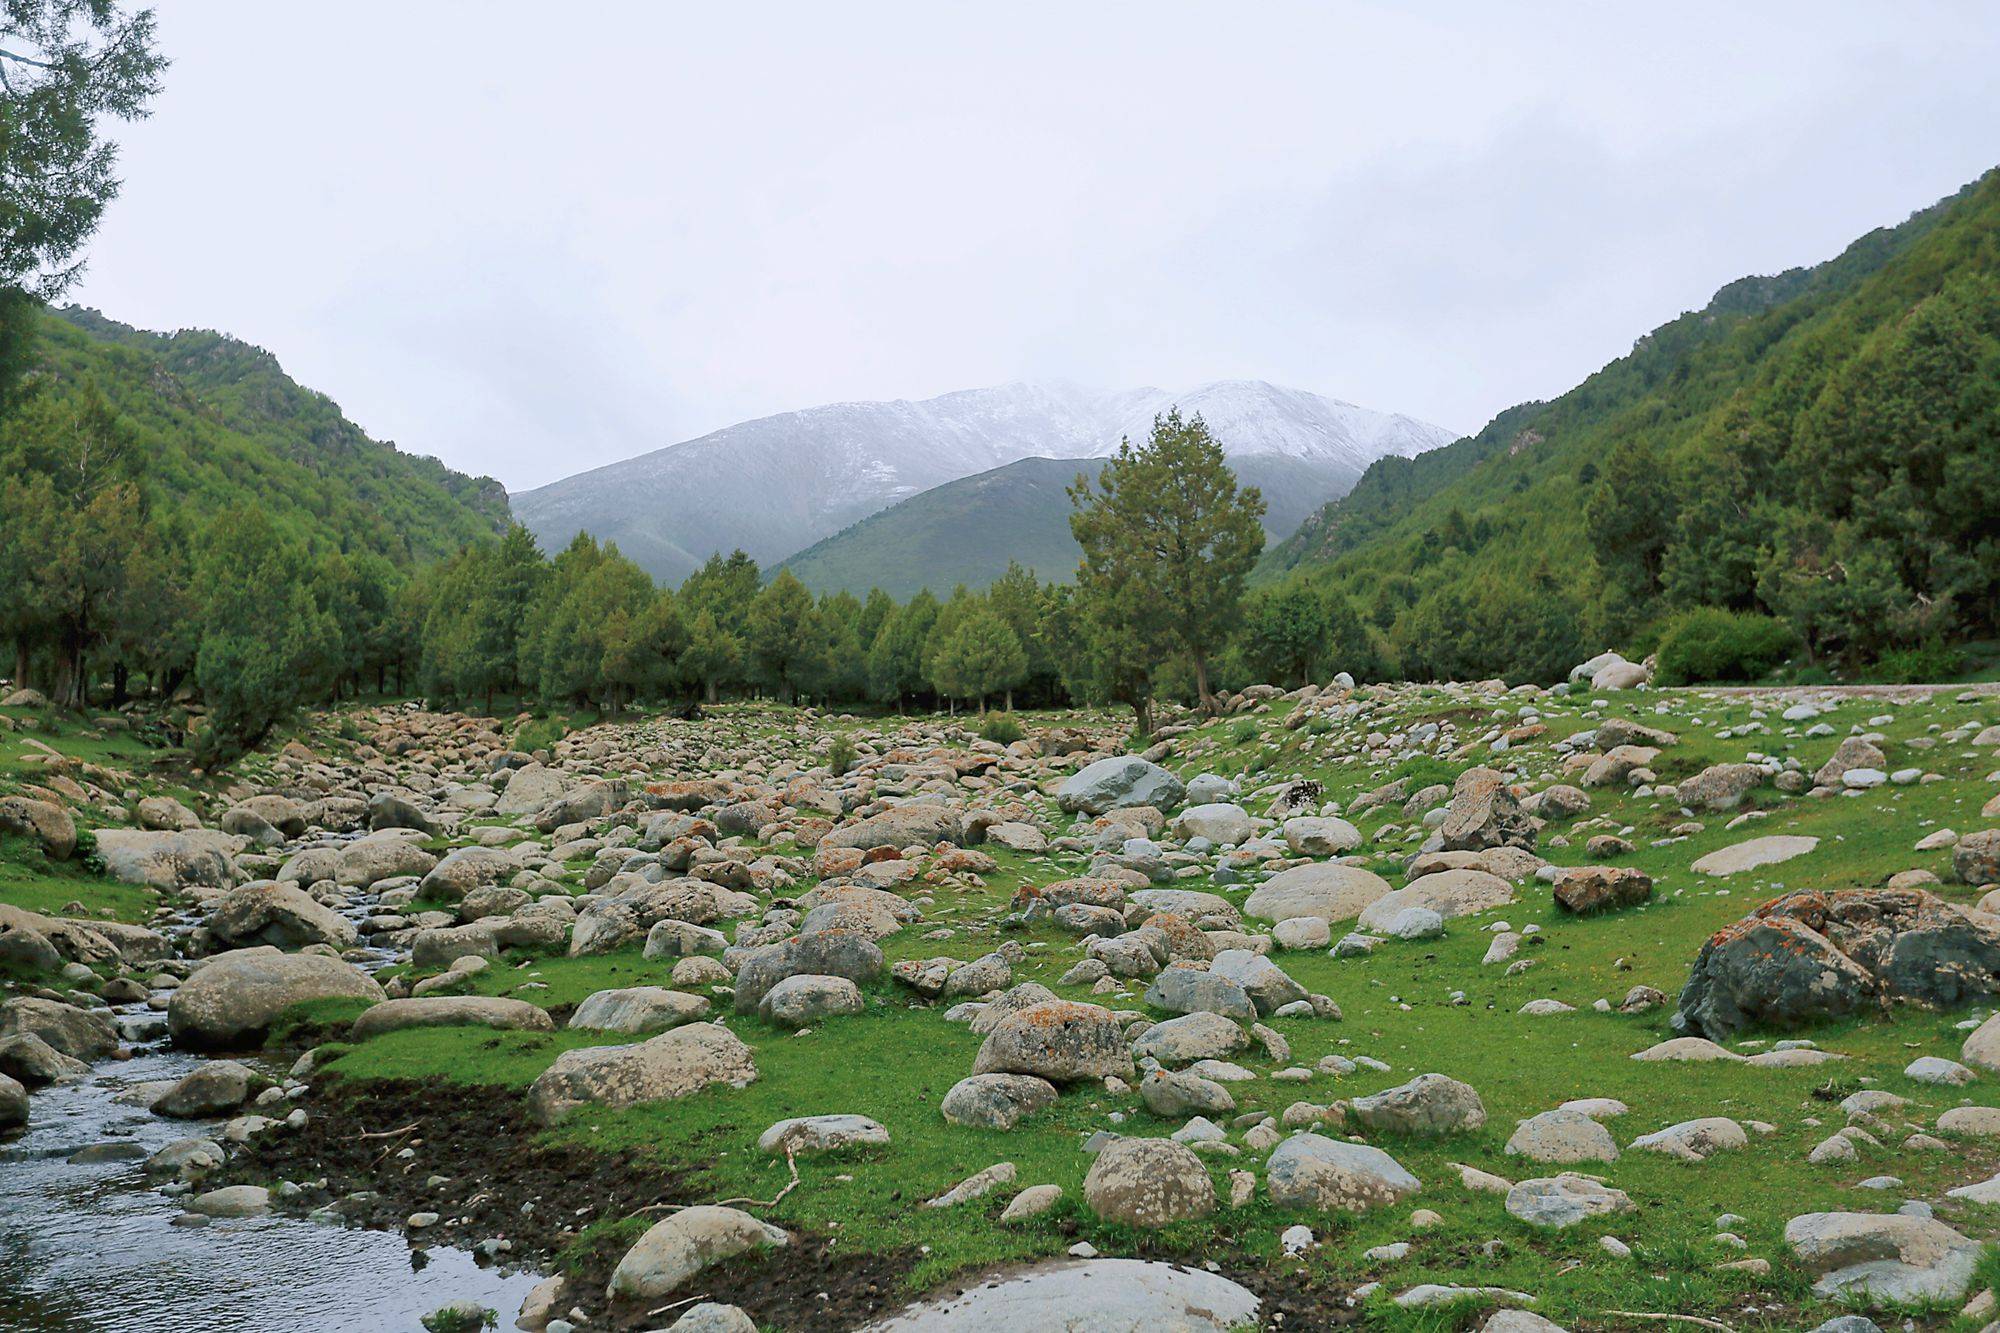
point(1928, 665)
point(840, 755)
point(1709, 645)
point(1001, 728)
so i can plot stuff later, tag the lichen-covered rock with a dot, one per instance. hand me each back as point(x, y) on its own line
point(232, 1000)
point(1484, 813)
point(1148, 1183)
point(1313, 1171)
point(996, 1101)
point(672, 1065)
point(916, 823)
point(1427, 1104)
point(1059, 1041)
point(1110, 784)
point(1585, 890)
point(1814, 955)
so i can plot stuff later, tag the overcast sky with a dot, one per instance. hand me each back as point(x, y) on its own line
point(531, 248)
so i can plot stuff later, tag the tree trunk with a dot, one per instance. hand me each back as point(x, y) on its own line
point(20, 661)
point(1010, 700)
point(120, 681)
point(708, 688)
point(1143, 711)
point(1206, 700)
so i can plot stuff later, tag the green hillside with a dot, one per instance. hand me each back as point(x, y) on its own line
point(218, 422)
point(966, 531)
point(1822, 446)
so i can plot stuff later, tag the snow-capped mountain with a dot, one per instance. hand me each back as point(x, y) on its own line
point(778, 484)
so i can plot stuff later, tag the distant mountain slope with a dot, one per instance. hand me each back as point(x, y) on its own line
point(1737, 452)
point(779, 484)
point(220, 421)
point(966, 531)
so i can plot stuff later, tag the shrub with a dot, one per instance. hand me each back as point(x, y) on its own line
point(1929, 664)
point(1706, 644)
point(1001, 728)
point(840, 755)
point(460, 1318)
point(1244, 732)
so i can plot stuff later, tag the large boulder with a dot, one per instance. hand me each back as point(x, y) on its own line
point(1148, 1183)
point(1585, 890)
point(1218, 821)
point(81, 1034)
point(13, 1104)
point(1187, 990)
point(835, 952)
point(664, 1068)
point(1191, 1037)
point(218, 1087)
point(532, 787)
point(44, 821)
point(1320, 835)
point(379, 856)
point(1975, 859)
point(1057, 1040)
point(1449, 893)
point(1268, 985)
point(451, 1011)
point(282, 915)
point(996, 1101)
point(1100, 1295)
point(1564, 1200)
point(1428, 1104)
point(674, 1250)
point(918, 823)
point(232, 1000)
point(1329, 1175)
point(592, 800)
point(170, 861)
point(1720, 786)
point(1754, 854)
point(1852, 752)
point(1484, 813)
point(1110, 784)
point(1326, 890)
point(640, 1010)
point(464, 869)
point(1815, 955)
point(1884, 1258)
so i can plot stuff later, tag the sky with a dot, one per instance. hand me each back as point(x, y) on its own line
point(530, 247)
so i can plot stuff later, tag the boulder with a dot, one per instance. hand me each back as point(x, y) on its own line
point(1561, 1138)
point(1484, 813)
point(1219, 822)
point(1585, 890)
point(1694, 1140)
point(1191, 1037)
point(1449, 893)
point(1111, 784)
point(1754, 854)
point(46, 822)
point(232, 1000)
point(916, 823)
point(1326, 890)
point(367, 861)
point(685, 1243)
point(81, 1034)
point(1059, 1041)
point(464, 869)
point(810, 1135)
point(1813, 955)
point(996, 1101)
point(170, 861)
point(1320, 835)
point(1564, 1200)
point(640, 1010)
point(218, 1087)
point(282, 915)
point(1187, 990)
point(1883, 1258)
point(1428, 1104)
point(805, 1000)
point(451, 1011)
point(1720, 786)
point(1098, 1295)
point(1975, 858)
point(664, 1068)
point(835, 952)
point(13, 1104)
point(592, 800)
point(1267, 984)
point(1148, 1183)
point(531, 787)
point(1328, 1175)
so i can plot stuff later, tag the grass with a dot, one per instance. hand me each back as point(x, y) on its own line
point(895, 1062)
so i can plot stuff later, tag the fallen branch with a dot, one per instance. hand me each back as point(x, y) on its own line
point(1673, 1318)
point(388, 1133)
point(791, 1164)
point(674, 1305)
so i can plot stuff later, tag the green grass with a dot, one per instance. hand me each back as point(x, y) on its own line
point(895, 1062)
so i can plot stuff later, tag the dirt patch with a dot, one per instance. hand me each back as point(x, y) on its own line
point(497, 1160)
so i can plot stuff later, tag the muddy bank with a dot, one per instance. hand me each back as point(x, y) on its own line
point(498, 1161)
point(385, 1141)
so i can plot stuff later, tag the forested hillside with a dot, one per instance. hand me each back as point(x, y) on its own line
point(1821, 447)
point(219, 421)
point(174, 506)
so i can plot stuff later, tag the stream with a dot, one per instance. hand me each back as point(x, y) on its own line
point(93, 1247)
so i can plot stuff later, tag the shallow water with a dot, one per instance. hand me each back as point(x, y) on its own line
point(88, 1248)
